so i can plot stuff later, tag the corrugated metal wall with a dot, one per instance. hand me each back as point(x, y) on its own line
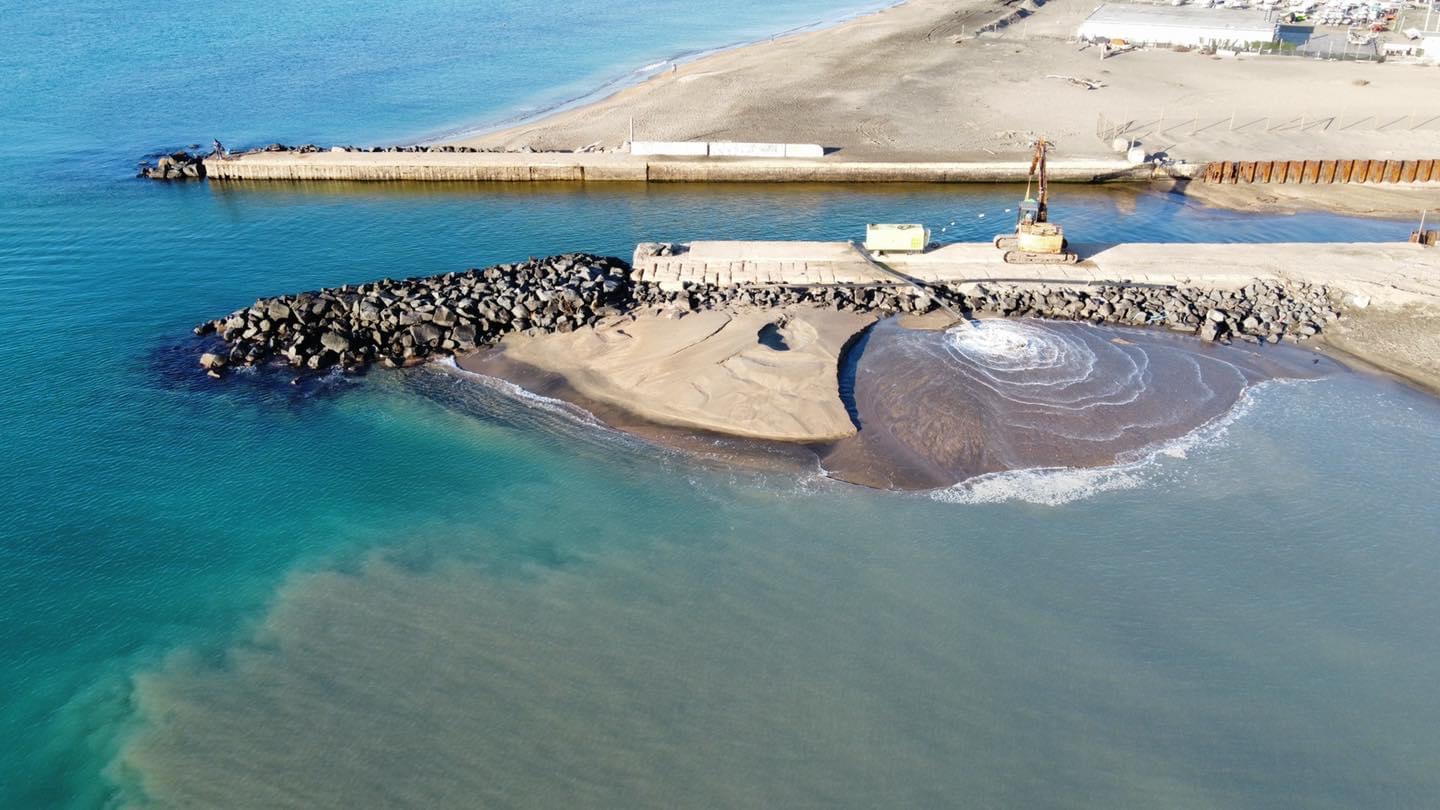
point(1323, 171)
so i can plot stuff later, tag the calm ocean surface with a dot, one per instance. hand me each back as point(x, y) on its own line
point(415, 591)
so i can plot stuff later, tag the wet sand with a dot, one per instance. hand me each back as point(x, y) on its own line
point(937, 407)
point(1398, 201)
point(498, 368)
point(766, 375)
point(1401, 342)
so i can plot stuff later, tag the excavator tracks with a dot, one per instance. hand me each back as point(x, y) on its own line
point(1018, 257)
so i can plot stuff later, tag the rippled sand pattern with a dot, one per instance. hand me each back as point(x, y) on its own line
point(938, 407)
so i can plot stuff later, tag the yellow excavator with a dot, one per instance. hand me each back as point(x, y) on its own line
point(1036, 240)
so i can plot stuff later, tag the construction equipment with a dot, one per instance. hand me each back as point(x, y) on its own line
point(921, 290)
point(1036, 240)
point(896, 238)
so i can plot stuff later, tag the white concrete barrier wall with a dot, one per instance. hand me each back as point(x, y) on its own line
point(726, 149)
point(757, 150)
point(670, 148)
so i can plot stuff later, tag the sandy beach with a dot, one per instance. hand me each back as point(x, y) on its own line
point(764, 374)
point(914, 82)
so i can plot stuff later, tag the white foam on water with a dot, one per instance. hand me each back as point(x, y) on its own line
point(544, 403)
point(1056, 486)
point(1046, 487)
point(1006, 344)
point(1030, 363)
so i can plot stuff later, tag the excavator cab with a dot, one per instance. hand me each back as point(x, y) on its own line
point(1036, 239)
point(1029, 213)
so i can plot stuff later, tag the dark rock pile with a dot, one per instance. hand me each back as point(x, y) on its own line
point(1259, 312)
point(175, 166)
point(399, 323)
point(184, 165)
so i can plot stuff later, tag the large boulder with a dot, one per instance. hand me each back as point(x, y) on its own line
point(464, 336)
point(426, 334)
point(335, 342)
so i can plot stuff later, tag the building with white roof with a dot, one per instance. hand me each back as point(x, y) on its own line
point(1195, 26)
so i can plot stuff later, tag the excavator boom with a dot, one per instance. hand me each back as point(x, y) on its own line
point(1041, 172)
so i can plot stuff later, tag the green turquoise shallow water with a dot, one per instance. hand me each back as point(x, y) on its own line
point(414, 590)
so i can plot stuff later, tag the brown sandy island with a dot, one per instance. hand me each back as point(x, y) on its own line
point(769, 375)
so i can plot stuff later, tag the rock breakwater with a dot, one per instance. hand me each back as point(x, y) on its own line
point(185, 165)
point(180, 165)
point(398, 323)
point(1258, 313)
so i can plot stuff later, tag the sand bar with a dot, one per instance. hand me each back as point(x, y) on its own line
point(926, 407)
point(761, 375)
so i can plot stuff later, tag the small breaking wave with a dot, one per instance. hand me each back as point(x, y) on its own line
point(1056, 486)
point(548, 404)
point(978, 401)
point(1051, 487)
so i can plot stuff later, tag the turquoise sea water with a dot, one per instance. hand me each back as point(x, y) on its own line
point(410, 590)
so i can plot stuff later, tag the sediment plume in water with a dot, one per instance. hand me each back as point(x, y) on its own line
point(936, 407)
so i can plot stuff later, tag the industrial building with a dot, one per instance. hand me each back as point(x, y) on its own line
point(1195, 26)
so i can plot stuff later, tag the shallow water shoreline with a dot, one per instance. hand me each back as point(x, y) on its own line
point(640, 75)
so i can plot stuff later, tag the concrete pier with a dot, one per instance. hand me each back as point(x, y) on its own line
point(530, 167)
point(1397, 273)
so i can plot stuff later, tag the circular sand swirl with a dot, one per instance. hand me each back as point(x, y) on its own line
point(938, 407)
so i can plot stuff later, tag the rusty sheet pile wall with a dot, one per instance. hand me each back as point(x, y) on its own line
point(1323, 171)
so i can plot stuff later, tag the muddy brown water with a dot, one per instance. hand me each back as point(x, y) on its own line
point(936, 407)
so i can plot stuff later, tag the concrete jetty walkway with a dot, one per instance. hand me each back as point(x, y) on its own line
point(528, 167)
point(1392, 273)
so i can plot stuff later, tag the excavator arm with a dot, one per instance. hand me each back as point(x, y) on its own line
point(1040, 171)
